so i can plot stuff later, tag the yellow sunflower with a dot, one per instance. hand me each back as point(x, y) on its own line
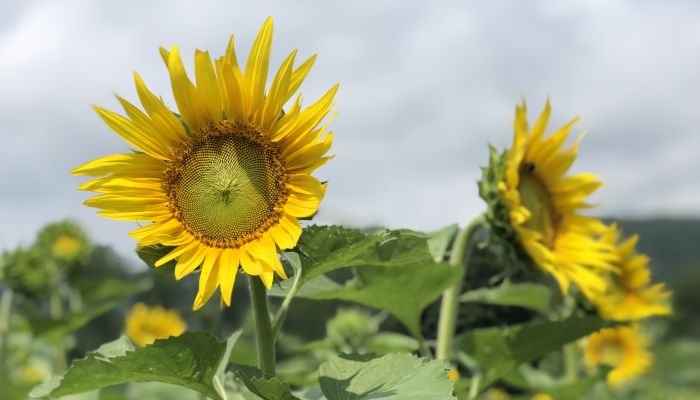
point(226, 180)
point(544, 206)
point(630, 294)
point(623, 348)
point(145, 324)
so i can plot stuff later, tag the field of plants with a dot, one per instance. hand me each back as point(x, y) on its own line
point(240, 294)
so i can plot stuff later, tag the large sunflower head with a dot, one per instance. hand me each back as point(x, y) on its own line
point(624, 349)
point(630, 294)
point(145, 324)
point(536, 206)
point(225, 179)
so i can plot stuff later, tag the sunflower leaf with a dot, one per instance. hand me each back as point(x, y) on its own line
point(393, 376)
point(498, 350)
point(326, 248)
point(193, 360)
point(267, 387)
point(527, 295)
point(405, 290)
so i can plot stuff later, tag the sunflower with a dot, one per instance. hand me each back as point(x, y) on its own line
point(145, 324)
point(630, 294)
point(225, 180)
point(623, 348)
point(536, 205)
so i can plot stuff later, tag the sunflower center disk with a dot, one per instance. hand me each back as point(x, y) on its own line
point(536, 198)
point(227, 185)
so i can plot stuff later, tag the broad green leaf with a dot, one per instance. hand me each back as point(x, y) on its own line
point(500, 350)
point(527, 295)
point(404, 291)
point(326, 248)
point(151, 254)
point(391, 377)
point(102, 297)
point(267, 387)
point(440, 240)
point(391, 342)
point(195, 360)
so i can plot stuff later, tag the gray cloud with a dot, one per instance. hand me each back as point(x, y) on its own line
point(424, 88)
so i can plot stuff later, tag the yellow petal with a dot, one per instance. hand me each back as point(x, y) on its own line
point(228, 269)
point(208, 278)
point(189, 261)
point(258, 64)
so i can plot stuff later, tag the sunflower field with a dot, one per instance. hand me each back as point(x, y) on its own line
point(240, 294)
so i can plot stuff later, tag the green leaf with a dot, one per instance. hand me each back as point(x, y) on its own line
point(527, 295)
point(267, 387)
point(326, 248)
point(98, 299)
point(195, 360)
point(532, 380)
point(391, 342)
point(151, 254)
point(393, 376)
point(500, 350)
point(439, 240)
point(404, 291)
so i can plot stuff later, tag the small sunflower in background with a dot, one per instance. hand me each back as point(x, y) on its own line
point(630, 295)
point(226, 180)
point(65, 241)
point(536, 205)
point(625, 349)
point(145, 324)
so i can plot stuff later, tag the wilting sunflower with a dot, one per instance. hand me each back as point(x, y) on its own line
point(630, 294)
point(623, 348)
point(226, 180)
point(534, 203)
point(145, 324)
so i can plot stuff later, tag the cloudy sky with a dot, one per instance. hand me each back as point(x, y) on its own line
point(424, 87)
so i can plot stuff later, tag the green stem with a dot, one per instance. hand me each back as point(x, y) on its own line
point(570, 363)
point(56, 312)
point(5, 314)
point(461, 250)
point(263, 329)
point(284, 308)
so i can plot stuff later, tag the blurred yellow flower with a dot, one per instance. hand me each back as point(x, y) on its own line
point(145, 324)
point(541, 396)
point(544, 206)
point(225, 181)
point(66, 247)
point(623, 348)
point(496, 394)
point(453, 375)
point(630, 295)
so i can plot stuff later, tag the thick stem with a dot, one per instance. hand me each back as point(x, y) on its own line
point(263, 329)
point(461, 250)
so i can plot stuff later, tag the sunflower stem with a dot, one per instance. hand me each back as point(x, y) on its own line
point(461, 251)
point(279, 318)
point(570, 363)
point(263, 329)
point(5, 319)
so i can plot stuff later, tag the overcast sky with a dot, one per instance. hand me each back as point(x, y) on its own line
point(424, 88)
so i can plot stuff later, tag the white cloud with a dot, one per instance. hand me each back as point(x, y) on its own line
point(424, 88)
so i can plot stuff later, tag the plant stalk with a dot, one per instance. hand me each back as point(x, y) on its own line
point(461, 252)
point(5, 316)
point(263, 330)
point(570, 363)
